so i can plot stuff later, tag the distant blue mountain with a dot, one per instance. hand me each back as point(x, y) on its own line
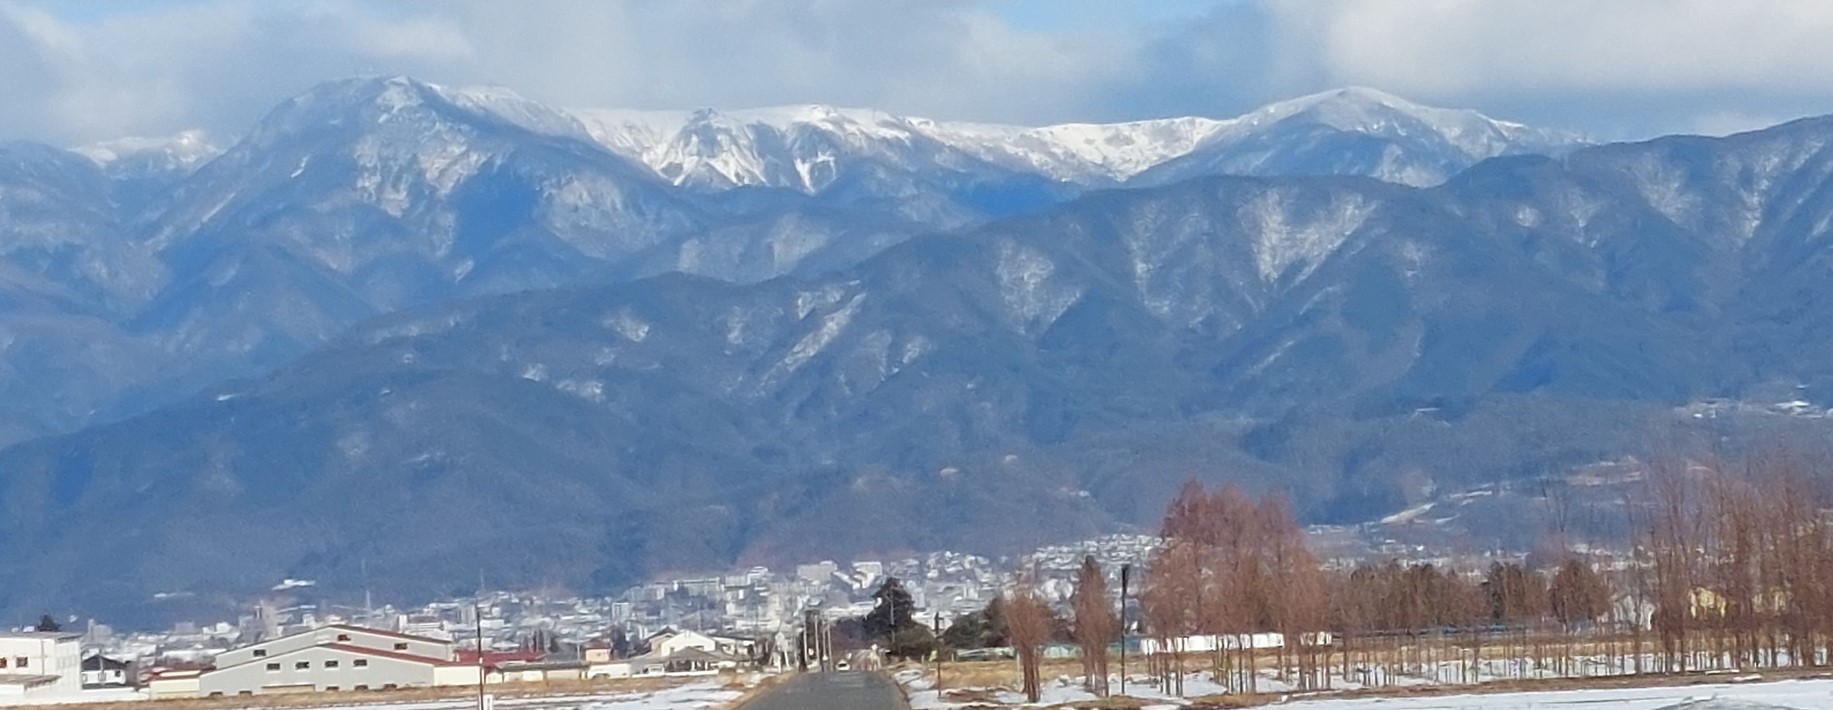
point(400, 323)
point(999, 384)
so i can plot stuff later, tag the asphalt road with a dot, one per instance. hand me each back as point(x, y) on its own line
point(833, 691)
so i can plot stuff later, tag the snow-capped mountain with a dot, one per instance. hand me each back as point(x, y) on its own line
point(58, 226)
point(364, 196)
point(459, 295)
point(142, 169)
point(805, 147)
point(1334, 336)
point(139, 156)
point(1357, 131)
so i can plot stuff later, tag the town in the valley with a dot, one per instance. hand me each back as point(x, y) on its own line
point(758, 619)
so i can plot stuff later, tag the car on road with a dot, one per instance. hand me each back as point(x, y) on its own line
point(842, 665)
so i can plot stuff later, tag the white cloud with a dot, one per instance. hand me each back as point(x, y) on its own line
point(1628, 66)
point(1448, 46)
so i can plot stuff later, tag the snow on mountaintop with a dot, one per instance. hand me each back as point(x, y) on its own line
point(784, 146)
point(511, 107)
point(381, 100)
point(185, 149)
point(675, 143)
point(1363, 110)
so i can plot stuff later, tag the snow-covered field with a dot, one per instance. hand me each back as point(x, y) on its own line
point(1749, 695)
point(693, 696)
point(1794, 694)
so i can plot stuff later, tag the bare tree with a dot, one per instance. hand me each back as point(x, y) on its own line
point(1027, 625)
point(1095, 624)
point(1578, 595)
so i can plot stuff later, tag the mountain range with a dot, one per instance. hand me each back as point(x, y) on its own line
point(431, 330)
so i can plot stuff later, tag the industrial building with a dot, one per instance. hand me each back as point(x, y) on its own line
point(40, 666)
point(332, 658)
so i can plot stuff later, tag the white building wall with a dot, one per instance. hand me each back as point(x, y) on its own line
point(609, 669)
point(455, 675)
point(107, 676)
point(394, 643)
point(174, 687)
point(318, 669)
point(36, 653)
point(683, 641)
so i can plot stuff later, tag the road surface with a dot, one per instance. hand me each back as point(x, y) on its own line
point(833, 691)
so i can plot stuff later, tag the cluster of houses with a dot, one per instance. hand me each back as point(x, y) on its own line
point(46, 667)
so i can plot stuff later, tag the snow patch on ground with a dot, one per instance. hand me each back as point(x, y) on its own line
point(695, 696)
point(1756, 695)
point(1033, 297)
point(1286, 237)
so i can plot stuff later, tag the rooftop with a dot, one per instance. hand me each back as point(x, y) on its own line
point(26, 680)
point(40, 635)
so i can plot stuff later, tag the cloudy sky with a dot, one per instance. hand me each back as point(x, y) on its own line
point(79, 70)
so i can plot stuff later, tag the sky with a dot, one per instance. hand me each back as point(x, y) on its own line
point(77, 71)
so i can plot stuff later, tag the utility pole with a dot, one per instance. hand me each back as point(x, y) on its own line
point(483, 701)
point(938, 652)
point(1126, 572)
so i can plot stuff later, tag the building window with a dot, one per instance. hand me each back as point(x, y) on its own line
point(331, 688)
point(400, 647)
point(2, 662)
point(330, 664)
point(260, 653)
point(343, 637)
point(302, 665)
point(360, 663)
point(21, 661)
point(273, 666)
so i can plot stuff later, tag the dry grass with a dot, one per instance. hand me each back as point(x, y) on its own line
point(383, 698)
point(1000, 674)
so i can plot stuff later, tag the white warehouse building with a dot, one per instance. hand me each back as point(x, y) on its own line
point(334, 658)
point(39, 666)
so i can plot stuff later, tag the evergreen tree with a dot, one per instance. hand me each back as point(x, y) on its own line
point(893, 623)
point(981, 629)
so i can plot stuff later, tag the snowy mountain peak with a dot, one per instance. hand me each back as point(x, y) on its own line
point(710, 148)
point(511, 107)
point(373, 100)
point(185, 149)
point(1359, 109)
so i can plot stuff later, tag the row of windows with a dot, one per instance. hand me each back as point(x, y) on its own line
point(18, 662)
point(307, 665)
point(390, 686)
point(262, 652)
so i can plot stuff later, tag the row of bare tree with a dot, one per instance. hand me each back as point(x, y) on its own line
point(1727, 570)
point(1738, 566)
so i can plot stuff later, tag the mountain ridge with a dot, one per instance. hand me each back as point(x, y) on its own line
point(1345, 339)
point(1082, 153)
point(366, 195)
